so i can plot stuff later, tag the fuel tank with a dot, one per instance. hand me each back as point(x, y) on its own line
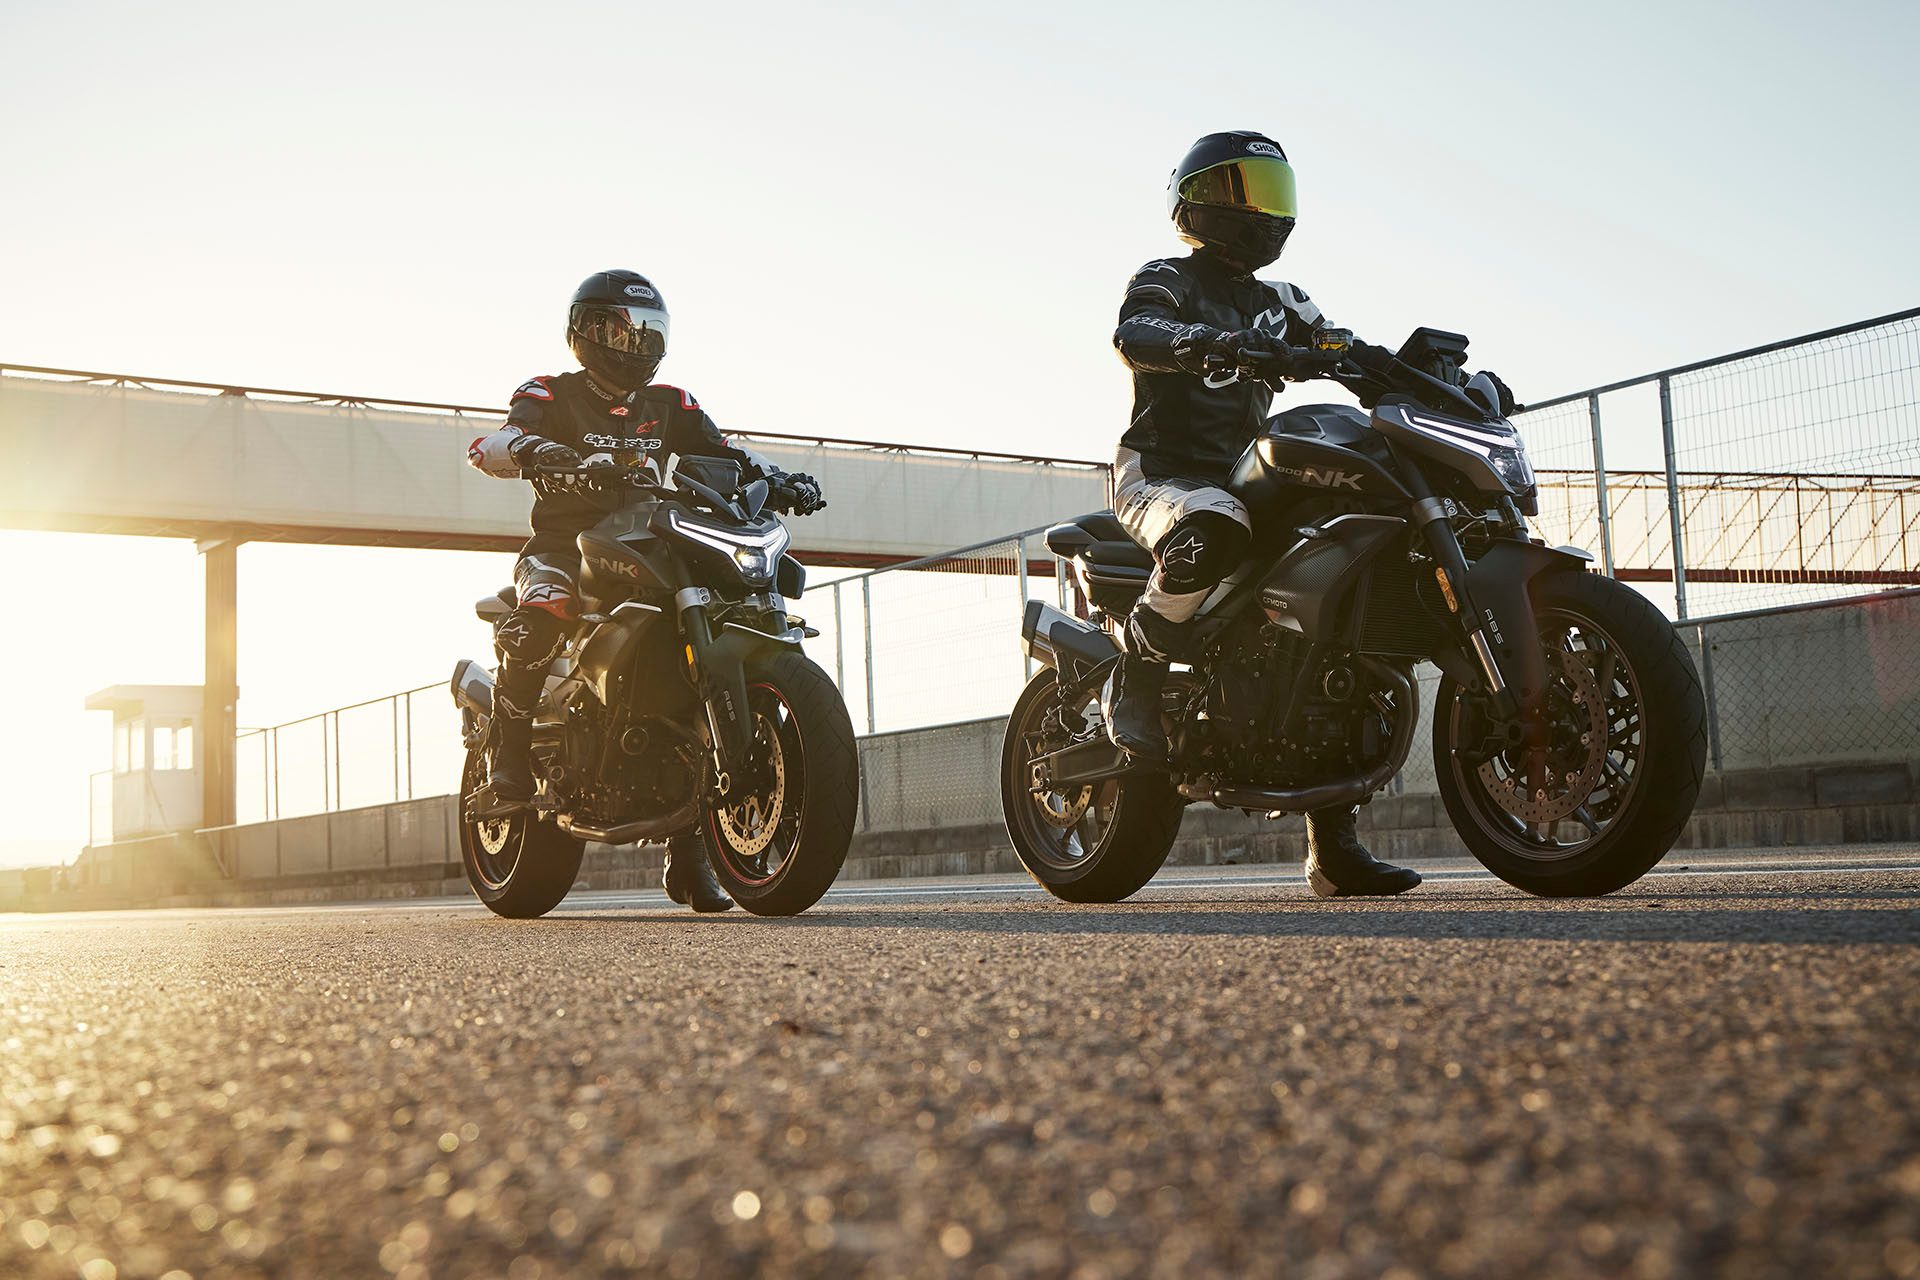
point(621, 559)
point(1327, 450)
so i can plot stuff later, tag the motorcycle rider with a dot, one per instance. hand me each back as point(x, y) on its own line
point(609, 412)
point(1197, 404)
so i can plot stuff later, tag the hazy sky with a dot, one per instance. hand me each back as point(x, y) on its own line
point(878, 221)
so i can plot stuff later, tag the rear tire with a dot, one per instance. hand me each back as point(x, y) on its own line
point(1124, 830)
point(519, 866)
point(781, 843)
point(1630, 802)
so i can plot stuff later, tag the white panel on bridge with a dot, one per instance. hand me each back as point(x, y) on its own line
point(115, 458)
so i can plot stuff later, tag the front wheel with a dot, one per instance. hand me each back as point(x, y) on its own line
point(519, 866)
point(1097, 843)
point(780, 835)
point(1602, 800)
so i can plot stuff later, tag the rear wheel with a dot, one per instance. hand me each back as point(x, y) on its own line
point(780, 836)
point(1595, 807)
point(1096, 843)
point(519, 866)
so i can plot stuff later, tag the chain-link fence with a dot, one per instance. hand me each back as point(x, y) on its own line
point(1788, 473)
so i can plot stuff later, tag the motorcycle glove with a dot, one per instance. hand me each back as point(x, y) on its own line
point(538, 451)
point(1508, 405)
point(796, 492)
point(1193, 346)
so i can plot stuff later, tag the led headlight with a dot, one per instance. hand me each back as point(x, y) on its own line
point(754, 552)
point(1512, 467)
point(754, 563)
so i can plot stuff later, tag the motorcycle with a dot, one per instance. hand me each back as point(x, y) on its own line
point(1569, 732)
point(681, 709)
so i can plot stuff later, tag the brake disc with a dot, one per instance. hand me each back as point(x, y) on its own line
point(1571, 778)
point(749, 824)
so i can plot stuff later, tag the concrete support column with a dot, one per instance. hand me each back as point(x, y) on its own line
point(221, 680)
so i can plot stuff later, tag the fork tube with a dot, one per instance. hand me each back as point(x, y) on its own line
point(1430, 517)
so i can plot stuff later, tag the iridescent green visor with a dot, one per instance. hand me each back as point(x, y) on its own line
point(1258, 184)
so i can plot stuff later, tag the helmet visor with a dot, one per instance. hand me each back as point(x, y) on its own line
point(638, 331)
point(1258, 184)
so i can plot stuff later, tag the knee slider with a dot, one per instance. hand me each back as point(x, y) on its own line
point(529, 636)
point(1201, 550)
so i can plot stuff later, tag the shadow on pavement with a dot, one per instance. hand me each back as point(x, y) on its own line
point(1633, 920)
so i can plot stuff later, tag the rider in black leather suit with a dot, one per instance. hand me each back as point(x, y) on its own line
point(1232, 199)
point(610, 411)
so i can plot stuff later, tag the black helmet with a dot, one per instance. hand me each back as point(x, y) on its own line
point(617, 327)
point(1233, 194)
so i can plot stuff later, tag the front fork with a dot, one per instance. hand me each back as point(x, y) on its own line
point(720, 675)
point(1492, 610)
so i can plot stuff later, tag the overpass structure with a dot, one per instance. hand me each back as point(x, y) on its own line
point(110, 453)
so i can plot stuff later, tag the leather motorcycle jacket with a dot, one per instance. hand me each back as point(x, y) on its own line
point(1186, 422)
point(648, 425)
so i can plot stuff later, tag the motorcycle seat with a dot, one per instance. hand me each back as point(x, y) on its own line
point(1101, 540)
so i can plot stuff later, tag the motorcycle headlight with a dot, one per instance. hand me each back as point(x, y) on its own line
point(754, 563)
point(755, 554)
point(1513, 468)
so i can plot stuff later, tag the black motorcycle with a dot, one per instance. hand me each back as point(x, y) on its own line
point(1569, 734)
point(682, 709)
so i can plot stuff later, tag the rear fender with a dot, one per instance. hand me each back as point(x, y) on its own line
point(1069, 645)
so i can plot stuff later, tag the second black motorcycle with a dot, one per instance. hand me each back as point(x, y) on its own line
point(1569, 732)
point(682, 709)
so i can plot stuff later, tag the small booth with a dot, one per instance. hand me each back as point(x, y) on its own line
point(155, 785)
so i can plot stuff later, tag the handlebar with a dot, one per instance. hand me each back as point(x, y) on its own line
point(1347, 371)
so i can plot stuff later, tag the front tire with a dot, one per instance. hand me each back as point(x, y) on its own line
point(519, 866)
point(1100, 844)
point(779, 839)
point(1601, 804)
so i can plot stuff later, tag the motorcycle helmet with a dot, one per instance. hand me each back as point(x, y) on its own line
point(1233, 194)
point(617, 328)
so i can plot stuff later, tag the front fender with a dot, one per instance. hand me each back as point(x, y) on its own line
point(1500, 584)
point(724, 668)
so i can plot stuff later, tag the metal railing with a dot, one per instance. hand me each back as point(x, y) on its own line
point(1784, 473)
point(948, 628)
point(381, 751)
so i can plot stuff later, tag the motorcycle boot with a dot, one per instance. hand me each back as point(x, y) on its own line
point(688, 875)
point(1339, 866)
point(509, 786)
point(1130, 702)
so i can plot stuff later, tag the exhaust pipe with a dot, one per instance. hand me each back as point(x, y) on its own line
point(671, 824)
point(472, 687)
point(1328, 794)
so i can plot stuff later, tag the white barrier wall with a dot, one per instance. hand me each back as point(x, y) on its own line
point(114, 458)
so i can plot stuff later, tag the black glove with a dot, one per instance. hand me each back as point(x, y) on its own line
point(1508, 405)
point(538, 451)
point(796, 492)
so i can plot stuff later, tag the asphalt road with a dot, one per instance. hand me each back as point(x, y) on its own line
point(1712, 1073)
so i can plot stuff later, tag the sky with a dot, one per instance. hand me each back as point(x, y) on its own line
point(869, 220)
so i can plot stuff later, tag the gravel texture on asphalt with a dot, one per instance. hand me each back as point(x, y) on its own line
point(1703, 1075)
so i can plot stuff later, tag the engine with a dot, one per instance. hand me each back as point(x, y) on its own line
point(1270, 715)
point(619, 769)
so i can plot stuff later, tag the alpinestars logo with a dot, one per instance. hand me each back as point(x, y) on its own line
point(1184, 550)
point(598, 441)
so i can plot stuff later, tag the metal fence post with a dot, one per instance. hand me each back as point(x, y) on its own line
point(866, 627)
point(839, 644)
point(1020, 549)
point(1600, 486)
point(1674, 514)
